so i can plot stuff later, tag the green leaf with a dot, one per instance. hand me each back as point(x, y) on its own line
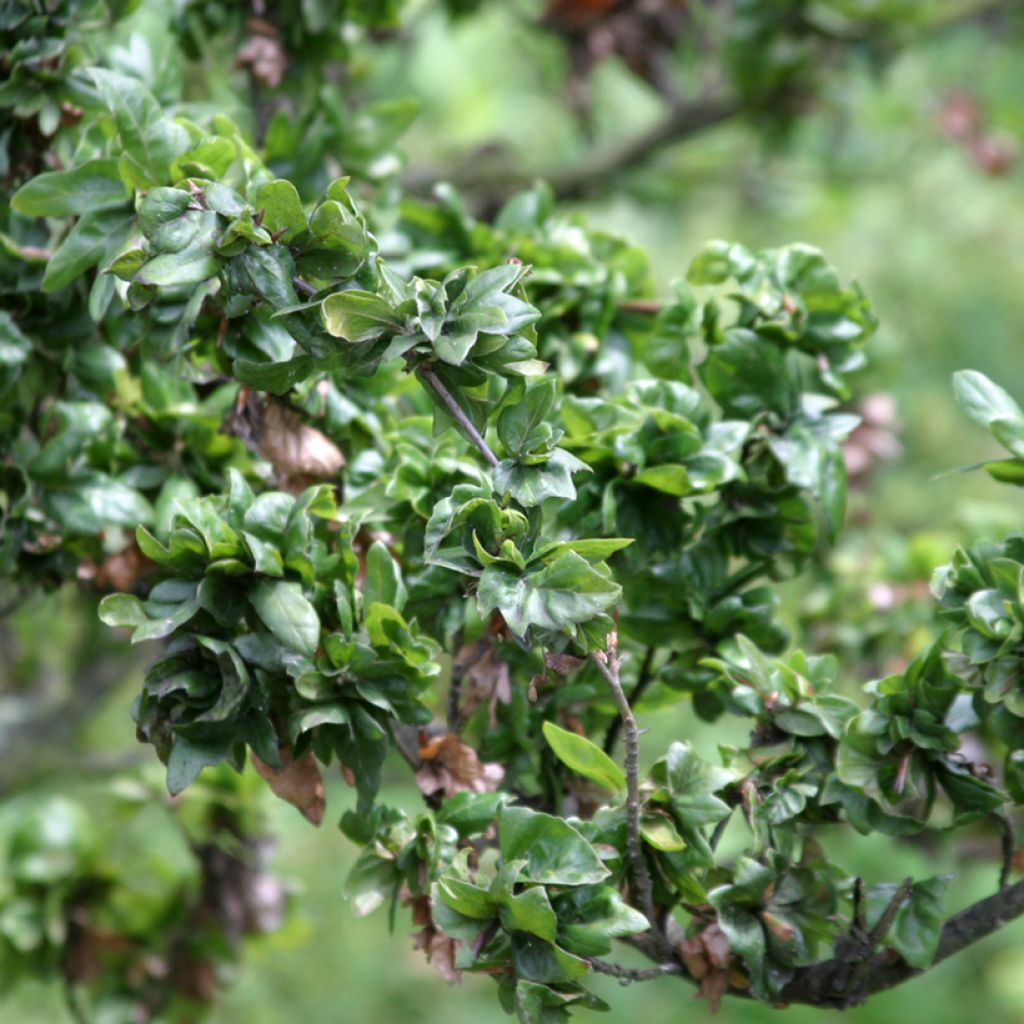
point(283, 215)
point(383, 582)
point(991, 407)
point(191, 266)
point(122, 610)
point(532, 483)
point(358, 316)
point(151, 140)
point(521, 426)
point(566, 592)
point(94, 240)
point(88, 188)
point(189, 757)
point(553, 851)
point(287, 613)
point(583, 757)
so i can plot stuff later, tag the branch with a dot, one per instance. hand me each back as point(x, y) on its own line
point(303, 286)
point(427, 374)
point(1007, 844)
point(683, 120)
point(494, 182)
point(628, 974)
point(823, 984)
point(608, 666)
point(816, 984)
point(643, 679)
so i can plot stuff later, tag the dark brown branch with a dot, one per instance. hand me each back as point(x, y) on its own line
point(824, 984)
point(608, 666)
point(815, 984)
point(1007, 844)
point(643, 679)
point(427, 374)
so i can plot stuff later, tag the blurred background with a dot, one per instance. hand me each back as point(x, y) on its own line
point(911, 178)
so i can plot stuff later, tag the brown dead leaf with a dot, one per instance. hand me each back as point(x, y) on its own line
point(123, 570)
point(300, 454)
point(483, 678)
point(440, 950)
point(717, 946)
point(712, 988)
point(563, 664)
point(297, 782)
point(263, 53)
point(691, 952)
point(451, 766)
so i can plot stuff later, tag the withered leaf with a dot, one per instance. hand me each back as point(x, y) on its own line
point(298, 782)
point(451, 766)
point(300, 454)
point(440, 950)
point(484, 678)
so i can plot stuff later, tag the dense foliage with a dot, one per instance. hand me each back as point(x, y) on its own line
point(343, 451)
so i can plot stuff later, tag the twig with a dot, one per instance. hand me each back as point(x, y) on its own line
point(608, 666)
point(1007, 842)
point(716, 836)
point(628, 974)
point(642, 680)
point(457, 414)
point(303, 286)
point(493, 184)
point(411, 755)
point(455, 686)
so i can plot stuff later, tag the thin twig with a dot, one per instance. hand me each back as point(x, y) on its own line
point(628, 974)
point(303, 286)
point(1007, 842)
point(642, 680)
point(716, 836)
point(455, 685)
point(427, 374)
point(608, 666)
point(410, 754)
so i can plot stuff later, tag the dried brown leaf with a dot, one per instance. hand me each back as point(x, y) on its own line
point(440, 950)
point(451, 766)
point(300, 454)
point(298, 782)
point(563, 664)
point(717, 945)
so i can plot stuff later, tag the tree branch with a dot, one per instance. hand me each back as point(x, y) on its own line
point(643, 679)
point(494, 181)
point(817, 984)
point(427, 374)
point(608, 666)
point(628, 974)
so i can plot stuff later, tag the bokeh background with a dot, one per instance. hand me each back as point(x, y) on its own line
point(877, 176)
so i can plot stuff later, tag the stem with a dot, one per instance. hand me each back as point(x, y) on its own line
point(455, 686)
point(628, 974)
point(643, 679)
point(303, 286)
point(459, 416)
point(608, 666)
point(1007, 844)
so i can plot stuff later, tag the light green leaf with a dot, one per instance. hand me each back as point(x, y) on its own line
point(583, 757)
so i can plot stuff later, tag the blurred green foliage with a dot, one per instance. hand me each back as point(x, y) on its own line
point(873, 178)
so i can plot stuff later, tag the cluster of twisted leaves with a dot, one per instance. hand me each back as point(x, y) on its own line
point(380, 476)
